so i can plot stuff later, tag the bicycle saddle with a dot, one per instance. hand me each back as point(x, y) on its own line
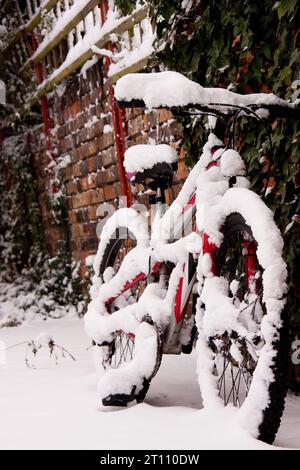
point(151, 165)
point(159, 176)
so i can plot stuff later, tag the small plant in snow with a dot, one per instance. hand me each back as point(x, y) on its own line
point(42, 341)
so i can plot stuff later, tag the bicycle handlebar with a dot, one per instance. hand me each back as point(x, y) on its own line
point(287, 110)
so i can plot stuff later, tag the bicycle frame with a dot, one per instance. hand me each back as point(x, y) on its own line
point(187, 278)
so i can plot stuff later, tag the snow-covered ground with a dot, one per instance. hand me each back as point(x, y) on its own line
point(55, 406)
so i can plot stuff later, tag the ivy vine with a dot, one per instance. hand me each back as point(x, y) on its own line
point(31, 280)
point(249, 46)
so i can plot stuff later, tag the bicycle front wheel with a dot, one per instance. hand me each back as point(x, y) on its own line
point(247, 356)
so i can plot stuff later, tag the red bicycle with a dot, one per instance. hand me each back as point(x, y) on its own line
point(209, 273)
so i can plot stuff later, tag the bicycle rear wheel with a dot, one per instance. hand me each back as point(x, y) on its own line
point(122, 241)
point(121, 354)
point(248, 367)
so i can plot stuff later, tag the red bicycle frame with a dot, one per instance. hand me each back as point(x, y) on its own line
point(188, 276)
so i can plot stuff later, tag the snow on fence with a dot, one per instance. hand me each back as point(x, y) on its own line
point(62, 37)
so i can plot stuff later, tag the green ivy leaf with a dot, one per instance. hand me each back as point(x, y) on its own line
point(286, 6)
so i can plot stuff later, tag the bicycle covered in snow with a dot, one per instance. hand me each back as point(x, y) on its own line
point(210, 272)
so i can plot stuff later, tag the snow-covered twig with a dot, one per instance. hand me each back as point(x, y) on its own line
point(42, 340)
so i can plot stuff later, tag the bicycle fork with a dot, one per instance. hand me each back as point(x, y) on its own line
point(182, 303)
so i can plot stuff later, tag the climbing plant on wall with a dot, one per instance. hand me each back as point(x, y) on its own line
point(31, 281)
point(246, 46)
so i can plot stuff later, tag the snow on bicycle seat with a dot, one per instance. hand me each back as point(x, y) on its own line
point(143, 161)
point(171, 89)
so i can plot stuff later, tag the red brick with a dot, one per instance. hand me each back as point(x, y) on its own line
point(82, 215)
point(90, 244)
point(80, 120)
point(97, 195)
point(75, 108)
point(84, 134)
point(61, 132)
point(72, 217)
point(68, 143)
point(73, 247)
point(79, 155)
point(73, 126)
point(108, 156)
point(87, 229)
point(182, 171)
point(133, 112)
point(63, 147)
point(97, 129)
point(91, 164)
point(92, 181)
point(111, 174)
point(101, 178)
point(93, 147)
point(139, 139)
point(136, 125)
point(84, 169)
point(75, 170)
point(146, 120)
point(71, 187)
point(75, 230)
point(96, 94)
point(70, 202)
point(81, 200)
point(85, 102)
point(66, 114)
point(89, 149)
point(83, 270)
point(105, 140)
point(92, 212)
point(110, 192)
point(164, 115)
point(93, 111)
point(84, 183)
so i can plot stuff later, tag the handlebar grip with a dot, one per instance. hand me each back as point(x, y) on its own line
point(279, 111)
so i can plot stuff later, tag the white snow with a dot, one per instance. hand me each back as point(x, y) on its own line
point(107, 129)
point(141, 157)
point(88, 64)
point(141, 47)
point(232, 163)
point(57, 406)
point(137, 226)
point(173, 89)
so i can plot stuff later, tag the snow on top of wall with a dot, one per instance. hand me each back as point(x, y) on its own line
point(173, 89)
point(142, 157)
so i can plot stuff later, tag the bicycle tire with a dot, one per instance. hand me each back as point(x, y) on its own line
point(122, 348)
point(270, 414)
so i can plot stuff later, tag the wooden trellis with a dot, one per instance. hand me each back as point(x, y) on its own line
point(65, 48)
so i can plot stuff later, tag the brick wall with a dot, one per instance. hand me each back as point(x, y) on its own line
point(83, 129)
